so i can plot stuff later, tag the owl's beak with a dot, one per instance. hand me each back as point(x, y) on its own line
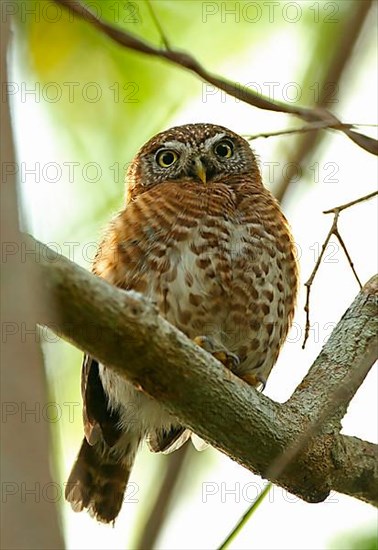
point(199, 169)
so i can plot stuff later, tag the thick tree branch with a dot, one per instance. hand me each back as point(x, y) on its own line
point(347, 362)
point(356, 468)
point(242, 93)
point(125, 331)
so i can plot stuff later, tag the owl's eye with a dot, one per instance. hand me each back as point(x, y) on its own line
point(224, 149)
point(166, 157)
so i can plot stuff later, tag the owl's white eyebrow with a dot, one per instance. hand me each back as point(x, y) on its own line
point(173, 145)
point(210, 141)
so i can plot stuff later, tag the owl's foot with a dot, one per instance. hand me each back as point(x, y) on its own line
point(229, 359)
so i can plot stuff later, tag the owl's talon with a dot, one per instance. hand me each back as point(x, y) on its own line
point(262, 381)
point(256, 380)
point(227, 358)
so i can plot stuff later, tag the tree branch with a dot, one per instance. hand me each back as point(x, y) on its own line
point(334, 230)
point(242, 93)
point(125, 331)
point(339, 57)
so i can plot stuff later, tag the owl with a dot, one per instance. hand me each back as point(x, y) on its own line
point(201, 237)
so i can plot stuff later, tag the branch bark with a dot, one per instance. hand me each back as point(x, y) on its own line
point(125, 331)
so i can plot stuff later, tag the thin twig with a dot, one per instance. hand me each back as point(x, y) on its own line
point(156, 21)
point(251, 510)
point(309, 283)
point(334, 230)
point(351, 203)
point(234, 89)
point(343, 246)
point(309, 128)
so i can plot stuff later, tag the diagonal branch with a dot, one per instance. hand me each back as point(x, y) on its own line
point(164, 500)
point(186, 61)
point(342, 51)
point(140, 345)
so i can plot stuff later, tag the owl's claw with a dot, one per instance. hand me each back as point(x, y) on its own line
point(229, 359)
point(256, 380)
point(262, 383)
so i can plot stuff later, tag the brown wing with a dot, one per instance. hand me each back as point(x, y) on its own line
point(126, 258)
point(99, 421)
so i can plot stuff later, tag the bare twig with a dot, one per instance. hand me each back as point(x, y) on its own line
point(308, 128)
point(156, 21)
point(351, 203)
point(242, 93)
point(334, 230)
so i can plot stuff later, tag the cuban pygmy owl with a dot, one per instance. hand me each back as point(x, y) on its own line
point(200, 236)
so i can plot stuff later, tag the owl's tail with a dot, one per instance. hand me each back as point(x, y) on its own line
point(98, 482)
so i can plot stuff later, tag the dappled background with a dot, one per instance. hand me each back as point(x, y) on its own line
point(83, 105)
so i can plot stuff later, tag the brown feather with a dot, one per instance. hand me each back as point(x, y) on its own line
point(97, 483)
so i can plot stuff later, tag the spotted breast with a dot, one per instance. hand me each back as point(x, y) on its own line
point(203, 238)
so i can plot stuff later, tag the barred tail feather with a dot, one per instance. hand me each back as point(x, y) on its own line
point(98, 482)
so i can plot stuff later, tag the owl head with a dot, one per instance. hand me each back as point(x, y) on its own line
point(197, 153)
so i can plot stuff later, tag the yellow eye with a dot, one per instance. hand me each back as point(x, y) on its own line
point(166, 157)
point(224, 149)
